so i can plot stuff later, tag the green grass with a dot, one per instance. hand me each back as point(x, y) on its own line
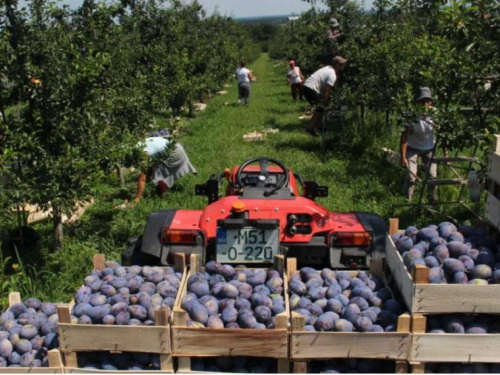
point(351, 165)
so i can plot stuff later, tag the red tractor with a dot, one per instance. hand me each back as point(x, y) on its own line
point(261, 214)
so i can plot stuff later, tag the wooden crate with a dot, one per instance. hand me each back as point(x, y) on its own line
point(304, 367)
point(329, 345)
point(424, 298)
point(451, 347)
point(71, 367)
point(208, 342)
point(55, 360)
point(74, 338)
point(184, 367)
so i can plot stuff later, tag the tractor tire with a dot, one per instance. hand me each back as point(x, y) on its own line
point(133, 256)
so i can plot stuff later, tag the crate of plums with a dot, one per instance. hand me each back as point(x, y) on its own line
point(228, 311)
point(117, 362)
point(346, 314)
point(28, 337)
point(455, 368)
point(445, 268)
point(226, 364)
point(121, 309)
point(351, 366)
point(471, 338)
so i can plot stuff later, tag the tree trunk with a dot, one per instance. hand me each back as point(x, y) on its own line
point(119, 173)
point(387, 118)
point(363, 113)
point(58, 228)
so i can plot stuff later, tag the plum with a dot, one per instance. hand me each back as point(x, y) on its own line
point(364, 324)
point(431, 261)
point(457, 248)
point(200, 288)
point(453, 324)
point(452, 266)
point(460, 278)
point(404, 243)
point(122, 318)
point(263, 314)
point(481, 271)
point(199, 313)
point(215, 322)
point(229, 315)
point(361, 302)
point(23, 346)
point(352, 312)
point(427, 234)
point(97, 299)
point(247, 321)
point(6, 348)
point(343, 325)
point(298, 287)
point(28, 332)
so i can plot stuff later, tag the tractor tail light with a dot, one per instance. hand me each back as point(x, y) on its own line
point(187, 237)
point(352, 239)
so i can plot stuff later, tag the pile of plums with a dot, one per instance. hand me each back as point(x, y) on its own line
point(222, 296)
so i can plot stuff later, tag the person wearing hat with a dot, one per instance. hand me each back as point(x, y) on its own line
point(163, 165)
point(295, 79)
point(318, 88)
point(418, 140)
point(333, 29)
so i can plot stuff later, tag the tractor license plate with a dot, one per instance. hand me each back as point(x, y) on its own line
point(247, 245)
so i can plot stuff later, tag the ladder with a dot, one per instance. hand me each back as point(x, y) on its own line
point(460, 166)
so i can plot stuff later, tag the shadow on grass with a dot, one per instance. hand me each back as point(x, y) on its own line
point(310, 145)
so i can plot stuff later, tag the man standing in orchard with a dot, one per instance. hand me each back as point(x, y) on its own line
point(244, 77)
point(418, 140)
point(318, 88)
point(295, 79)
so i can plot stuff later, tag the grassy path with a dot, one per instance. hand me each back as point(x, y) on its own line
point(217, 142)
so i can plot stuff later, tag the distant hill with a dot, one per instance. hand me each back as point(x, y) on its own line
point(277, 20)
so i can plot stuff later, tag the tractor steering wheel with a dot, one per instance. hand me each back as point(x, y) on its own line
point(263, 173)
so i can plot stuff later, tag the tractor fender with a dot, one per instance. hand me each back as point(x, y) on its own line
point(377, 226)
point(151, 241)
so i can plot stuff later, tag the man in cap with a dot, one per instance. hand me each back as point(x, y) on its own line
point(295, 79)
point(318, 88)
point(418, 140)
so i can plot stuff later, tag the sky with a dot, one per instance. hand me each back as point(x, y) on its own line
point(248, 8)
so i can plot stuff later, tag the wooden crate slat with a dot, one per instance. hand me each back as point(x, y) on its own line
point(71, 361)
point(30, 370)
point(230, 342)
point(402, 278)
point(493, 210)
point(442, 298)
point(468, 348)
point(145, 339)
point(390, 345)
